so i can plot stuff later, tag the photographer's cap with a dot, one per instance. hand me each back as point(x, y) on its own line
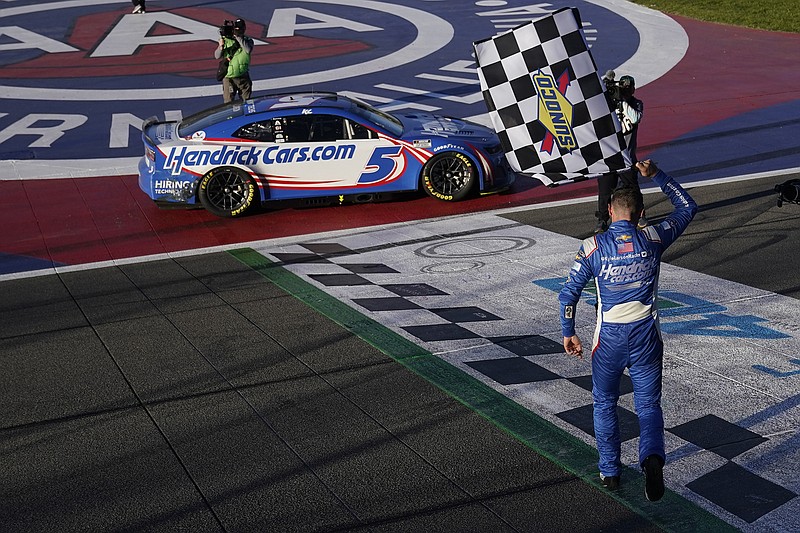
point(627, 81)
point(239, 24)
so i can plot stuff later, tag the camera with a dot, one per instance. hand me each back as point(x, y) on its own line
point(618, 90)
point(613, 91)
point(788, 191)
point(231, 28)
point(226, 30)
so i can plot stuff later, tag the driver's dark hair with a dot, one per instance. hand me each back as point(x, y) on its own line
point(628, 199)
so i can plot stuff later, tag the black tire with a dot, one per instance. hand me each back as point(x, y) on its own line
point(227, 192)
point(449, 176)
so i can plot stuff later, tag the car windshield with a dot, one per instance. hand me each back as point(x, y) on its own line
point(202, 120)
point(376, 116)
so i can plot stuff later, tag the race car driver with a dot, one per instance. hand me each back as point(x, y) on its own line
point(625, 262)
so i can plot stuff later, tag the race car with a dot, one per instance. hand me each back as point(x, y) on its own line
point(314, 146)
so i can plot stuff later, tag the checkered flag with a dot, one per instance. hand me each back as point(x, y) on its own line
point(546, 101)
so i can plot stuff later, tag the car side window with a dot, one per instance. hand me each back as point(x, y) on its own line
point(326, 128)
point(359, 131)
point(257, 131)
point(293, 129)
point(318, 128)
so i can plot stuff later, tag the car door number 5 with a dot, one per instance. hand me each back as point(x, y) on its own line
point(381, 165)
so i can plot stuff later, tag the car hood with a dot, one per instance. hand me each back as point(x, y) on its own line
point(421, 125)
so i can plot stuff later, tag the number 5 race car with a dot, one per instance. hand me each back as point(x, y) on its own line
point(312, 146)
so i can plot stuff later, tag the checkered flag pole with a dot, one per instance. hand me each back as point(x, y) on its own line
point(547, 103)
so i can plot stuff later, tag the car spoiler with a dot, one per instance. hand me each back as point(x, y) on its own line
point(150, 122)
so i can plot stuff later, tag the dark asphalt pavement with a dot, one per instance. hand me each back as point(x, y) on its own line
point(739, 233)
point(196, 394)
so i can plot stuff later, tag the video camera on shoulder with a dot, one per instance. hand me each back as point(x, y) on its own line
point(231, 28)
point(226, 30)
point(618, 90)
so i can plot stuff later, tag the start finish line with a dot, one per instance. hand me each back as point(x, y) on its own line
point(480, 294)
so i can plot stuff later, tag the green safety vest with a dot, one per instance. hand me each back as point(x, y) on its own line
point(240, 60)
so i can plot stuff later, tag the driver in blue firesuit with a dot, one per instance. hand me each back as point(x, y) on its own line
point(625, 263)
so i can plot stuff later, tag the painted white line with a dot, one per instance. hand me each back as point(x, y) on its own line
point(325, 235)
point(46, 169)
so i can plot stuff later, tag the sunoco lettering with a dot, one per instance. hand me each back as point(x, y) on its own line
point(559, 123)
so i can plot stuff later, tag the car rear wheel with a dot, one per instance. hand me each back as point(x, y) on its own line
point(227, 192)
point(449, 176)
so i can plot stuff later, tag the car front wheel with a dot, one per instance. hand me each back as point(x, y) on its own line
point(227, 192)
point(449, 176)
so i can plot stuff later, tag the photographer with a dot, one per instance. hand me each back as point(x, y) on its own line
point(236, 47)
point(629, 111)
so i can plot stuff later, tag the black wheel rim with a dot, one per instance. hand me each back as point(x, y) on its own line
point(449, 175)
point(227, 190)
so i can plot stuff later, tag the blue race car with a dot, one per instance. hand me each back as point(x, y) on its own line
point(314, 146)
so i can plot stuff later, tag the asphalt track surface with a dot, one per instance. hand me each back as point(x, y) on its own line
point(178, 381)
point(220, 392)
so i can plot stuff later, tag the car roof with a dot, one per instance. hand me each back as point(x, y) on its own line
point(228, 115)
point(286, 101)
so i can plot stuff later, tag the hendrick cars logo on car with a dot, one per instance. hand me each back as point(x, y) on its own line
point(309, 153)
point(344, 149)
point(180, 157)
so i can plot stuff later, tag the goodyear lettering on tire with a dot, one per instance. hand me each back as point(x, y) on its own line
point(251, 192)
point(426, 180)
point(433, 192)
